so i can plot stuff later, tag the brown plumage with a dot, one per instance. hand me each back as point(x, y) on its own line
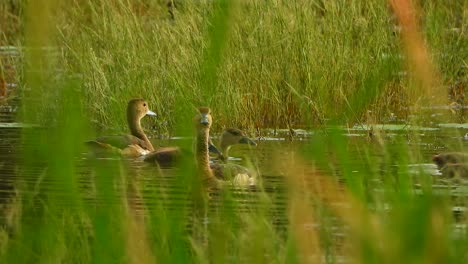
point(202, 122)
point(237, 174)
point(452, 164)
point(230, 137)
point(450, 158)
point(165, 157)
point(138, 143)
point(455, 171)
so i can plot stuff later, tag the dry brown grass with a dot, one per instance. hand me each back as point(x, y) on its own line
point(420, 64)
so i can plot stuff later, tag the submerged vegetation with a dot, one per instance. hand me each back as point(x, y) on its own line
point(256, 64)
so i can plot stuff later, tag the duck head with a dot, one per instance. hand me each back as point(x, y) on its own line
point(232, 136)
point(138, 108)
point(203, 119)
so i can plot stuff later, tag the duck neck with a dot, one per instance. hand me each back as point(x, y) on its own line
point(203, 158)
point(136, 130)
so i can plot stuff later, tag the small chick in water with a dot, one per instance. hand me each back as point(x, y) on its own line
point(452, 164)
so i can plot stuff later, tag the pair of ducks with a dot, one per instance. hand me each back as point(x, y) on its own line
point(216, 174)
point(138, 145)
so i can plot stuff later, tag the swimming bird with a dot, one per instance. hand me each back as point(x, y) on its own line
point(450, 158)
point(452, 164)
point(455, 171)
point(213, 173)
point(230, 137)
point(137, 144)
point(133, 145)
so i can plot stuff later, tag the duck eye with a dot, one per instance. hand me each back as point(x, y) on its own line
point(144, 104)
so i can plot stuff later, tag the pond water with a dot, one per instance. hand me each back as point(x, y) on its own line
point(431, 140)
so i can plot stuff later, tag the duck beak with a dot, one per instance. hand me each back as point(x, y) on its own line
point(151, 113)
point(248, 141)
point(204, 119)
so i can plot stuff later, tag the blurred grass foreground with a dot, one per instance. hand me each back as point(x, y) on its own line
point(67, 69)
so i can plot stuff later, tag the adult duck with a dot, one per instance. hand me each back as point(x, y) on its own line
point(213, 173)
point(137, 143)
point(133, 145)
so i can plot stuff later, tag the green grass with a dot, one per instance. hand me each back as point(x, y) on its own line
point(288, 63)
point(257, 64)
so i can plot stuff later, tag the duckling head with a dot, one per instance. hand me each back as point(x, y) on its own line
point(138, 108)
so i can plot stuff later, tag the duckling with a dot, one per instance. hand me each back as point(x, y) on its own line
point(455, 171)
point(134, 145)
point(230, 137)
point(450, 158)
point(453, 165)
point(212, 173)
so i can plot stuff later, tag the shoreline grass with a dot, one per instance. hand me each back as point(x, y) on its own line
point(283, 65)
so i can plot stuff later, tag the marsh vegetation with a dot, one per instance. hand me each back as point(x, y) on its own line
point(348, 102)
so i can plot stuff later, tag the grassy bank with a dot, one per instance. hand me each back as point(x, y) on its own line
point(259, 64)
point(278, 64)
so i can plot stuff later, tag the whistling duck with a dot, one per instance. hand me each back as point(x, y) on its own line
point(230, 137)
point(212, 173)
point(134, 145)
point(137, 144)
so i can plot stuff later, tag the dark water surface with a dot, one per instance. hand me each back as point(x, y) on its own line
point(150, 181)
